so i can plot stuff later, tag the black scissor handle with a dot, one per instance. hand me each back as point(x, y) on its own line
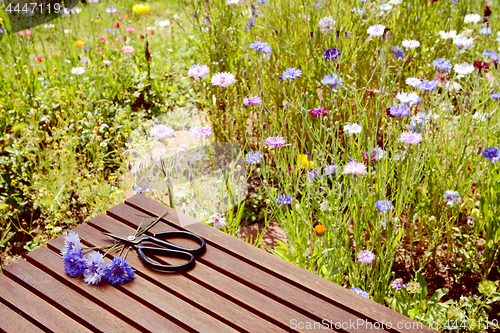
point(144, 251)
point(181, 234)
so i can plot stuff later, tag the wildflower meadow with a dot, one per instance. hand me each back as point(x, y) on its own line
point(368, 130)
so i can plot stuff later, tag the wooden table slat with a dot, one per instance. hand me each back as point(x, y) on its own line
point(34, 307)
point(66, 299)
point(205, 299)
point(106, 295)
point(12, 322)
point(311, 283)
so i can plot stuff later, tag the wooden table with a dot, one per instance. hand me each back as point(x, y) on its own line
point(234, 287)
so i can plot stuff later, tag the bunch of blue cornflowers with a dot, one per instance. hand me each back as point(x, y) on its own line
point(93, 267)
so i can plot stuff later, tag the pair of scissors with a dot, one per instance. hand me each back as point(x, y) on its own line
point(166, 249)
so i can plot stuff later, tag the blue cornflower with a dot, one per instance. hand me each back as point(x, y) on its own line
point(428, 85)
point(333, 81)
point(94, 268)
point(399, 110)
point(73, 263)
point(262, 1)
point(250, 24)
point(292, 73)
point(442, 64)
point(398, 51)
point(331, 54)
point(262, 47)
point(253, 157)
point(495, 95)
point(492, 153)
point(329, 169)
point(360, 292)
point(284, 199)
point(71, 243)
point(491, 54)
point(419, 122)
point(312, 175)
point(384, 206)
point(140, 190)
point(118, 271)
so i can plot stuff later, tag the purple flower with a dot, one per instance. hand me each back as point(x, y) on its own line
point(140, 190)
point(360, 292)
point(312, 175)
point(292, 73)
point(410, 138)
point(492, 153)
point(495, 95)
point(71, 243)
point(252, 100)
point(428, 85)
point(398, 51)
point(111, 10)
point(491, 54)
point(118, 271)
point(418, 123)
point(253, 157)
point(451, 198)
point(442, 64)
point(262, 47)
point(366, 257)
point(384, 206)
point(399, 110)
point(73, 263)
point(250, 24)
point(355, 168)
point(284, 199)
point(161, 132)
point(397, 284)
point(332, 81)
point(329, 169)
point(94, 268)
point(331, 54)
point(275, 141)
point(201, 132)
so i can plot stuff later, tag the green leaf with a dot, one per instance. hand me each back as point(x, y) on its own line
point(423, 284)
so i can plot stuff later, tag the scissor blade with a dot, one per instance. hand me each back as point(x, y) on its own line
point(120, 238)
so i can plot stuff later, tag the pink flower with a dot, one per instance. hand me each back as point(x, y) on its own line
point(355, 168)
point(201, 132)
point(252, 100)
point(106, 62)
point(366, 257)
point(276, 141)
point(127, 49)
point(161, 132)
point(219, 221)
point(28, 32)
point(223, 79)
point(21, 33)
point(129, 29)
point(103, 38)
point(198, 72)
point(39, 59)
point(410, 138)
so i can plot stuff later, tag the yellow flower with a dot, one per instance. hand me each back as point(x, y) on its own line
point(140, 9)
point(320, 229)
point(1, 20)
point(79, 43)
point(303, 161)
